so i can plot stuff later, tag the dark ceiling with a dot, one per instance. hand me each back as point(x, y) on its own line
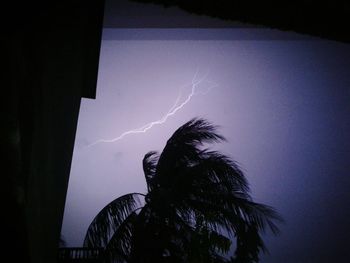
point(325, 19)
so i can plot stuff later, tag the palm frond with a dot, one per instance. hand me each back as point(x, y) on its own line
point(228, 210)
point(214, 216)
point(260, 215)
point(194, 132)
point(109, 219)
point(214, 168)
point(183, 148)
point(149, 163)
point(219, 242)
point(249, 244)
point(120, 244)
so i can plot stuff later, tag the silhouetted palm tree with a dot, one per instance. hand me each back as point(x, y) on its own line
point(197, 202)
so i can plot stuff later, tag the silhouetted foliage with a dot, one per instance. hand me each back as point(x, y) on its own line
point(197, 202)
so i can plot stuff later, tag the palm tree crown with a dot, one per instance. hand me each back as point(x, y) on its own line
point(197, 201)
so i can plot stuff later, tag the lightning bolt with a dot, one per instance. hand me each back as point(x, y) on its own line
point(175, 108)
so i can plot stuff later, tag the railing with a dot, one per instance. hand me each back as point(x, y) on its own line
point(80, 254)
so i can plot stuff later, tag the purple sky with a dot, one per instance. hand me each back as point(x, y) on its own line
point(282, 102)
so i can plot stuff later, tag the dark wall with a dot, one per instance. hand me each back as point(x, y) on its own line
point(51, 58)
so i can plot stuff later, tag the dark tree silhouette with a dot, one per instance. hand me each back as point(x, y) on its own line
point(197, 202)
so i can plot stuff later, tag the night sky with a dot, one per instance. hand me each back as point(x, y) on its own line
point(282, 102)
